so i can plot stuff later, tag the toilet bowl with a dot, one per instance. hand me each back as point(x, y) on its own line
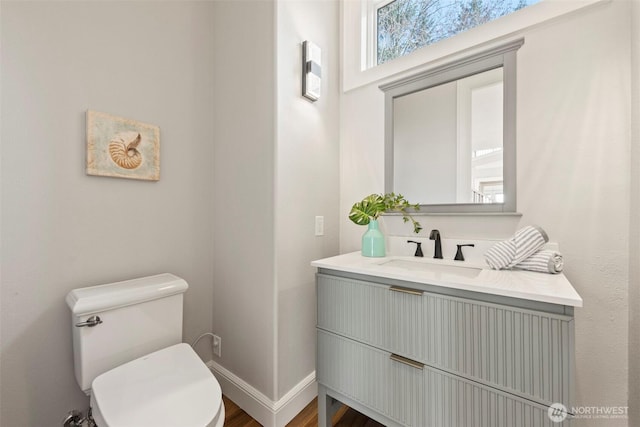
point(128, 357)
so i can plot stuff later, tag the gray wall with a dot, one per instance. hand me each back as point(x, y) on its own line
point(634, 219)
point(240, 233)
point(275, 169)
point(61, 229)
point(243, 187)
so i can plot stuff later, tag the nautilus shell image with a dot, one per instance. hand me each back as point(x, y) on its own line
point(123, 149)
point(118, 147)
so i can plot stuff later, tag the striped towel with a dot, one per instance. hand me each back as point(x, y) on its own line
point(543, 261)
point(524, 243)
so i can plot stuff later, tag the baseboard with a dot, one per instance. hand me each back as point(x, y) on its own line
point(267, 412)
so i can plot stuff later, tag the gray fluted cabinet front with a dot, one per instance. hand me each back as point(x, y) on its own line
point(407, 354)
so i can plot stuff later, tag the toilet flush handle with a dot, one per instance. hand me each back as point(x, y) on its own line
point(90, 322)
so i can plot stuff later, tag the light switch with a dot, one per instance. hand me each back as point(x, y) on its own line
point(319, 226)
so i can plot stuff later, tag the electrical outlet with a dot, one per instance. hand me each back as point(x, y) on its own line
point(217, 346)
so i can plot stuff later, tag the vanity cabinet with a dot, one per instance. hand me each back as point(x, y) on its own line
point(410, 354)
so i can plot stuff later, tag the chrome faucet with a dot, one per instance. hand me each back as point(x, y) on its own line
point(437, 251)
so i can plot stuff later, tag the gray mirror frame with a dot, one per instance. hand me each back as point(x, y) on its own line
point(500, 56)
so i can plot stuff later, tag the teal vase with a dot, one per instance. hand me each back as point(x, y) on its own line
point(373, 241)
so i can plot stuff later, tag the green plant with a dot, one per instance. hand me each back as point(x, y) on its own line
point(374, 205)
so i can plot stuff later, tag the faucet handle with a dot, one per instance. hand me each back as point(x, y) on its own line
point(418, 248)
point(459, 256)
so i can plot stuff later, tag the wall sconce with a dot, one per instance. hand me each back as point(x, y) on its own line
point(311, 70)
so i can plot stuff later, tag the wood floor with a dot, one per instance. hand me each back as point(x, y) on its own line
point(345, 417)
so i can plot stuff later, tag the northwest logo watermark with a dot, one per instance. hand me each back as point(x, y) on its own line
point(557, 412)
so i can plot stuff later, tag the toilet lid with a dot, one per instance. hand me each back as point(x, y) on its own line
point(170, 387)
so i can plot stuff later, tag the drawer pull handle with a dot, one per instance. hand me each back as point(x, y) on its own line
point(406, 361)
point(406, 290)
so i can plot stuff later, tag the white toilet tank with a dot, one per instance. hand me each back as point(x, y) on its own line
point(137, 317)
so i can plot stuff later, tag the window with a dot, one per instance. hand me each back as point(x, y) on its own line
point(402, 26)
point(359, 37)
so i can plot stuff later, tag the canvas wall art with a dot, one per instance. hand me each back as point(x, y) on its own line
point(122, 148)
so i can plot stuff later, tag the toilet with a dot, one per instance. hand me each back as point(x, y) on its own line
point(130, 359)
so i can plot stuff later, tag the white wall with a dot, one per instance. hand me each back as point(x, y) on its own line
point(62, 229)
point(307, 179)
point(573, 177)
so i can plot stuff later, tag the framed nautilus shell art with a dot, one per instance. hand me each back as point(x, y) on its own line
point(122, 148)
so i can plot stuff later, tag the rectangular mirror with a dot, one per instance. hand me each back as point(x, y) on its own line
point(450, 135)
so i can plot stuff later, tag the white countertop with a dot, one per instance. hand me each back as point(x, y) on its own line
point(551, 288)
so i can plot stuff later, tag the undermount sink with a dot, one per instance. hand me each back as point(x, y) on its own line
point(468, 272)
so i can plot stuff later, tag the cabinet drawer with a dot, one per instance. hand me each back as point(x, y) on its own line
point(353, 308)
point(412, 396)
point(522, 351)
point(368, 376)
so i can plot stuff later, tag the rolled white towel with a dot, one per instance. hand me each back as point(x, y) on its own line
point(543, 261)
point(523, 244)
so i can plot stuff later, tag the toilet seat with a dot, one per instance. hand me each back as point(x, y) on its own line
point(168, 388)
